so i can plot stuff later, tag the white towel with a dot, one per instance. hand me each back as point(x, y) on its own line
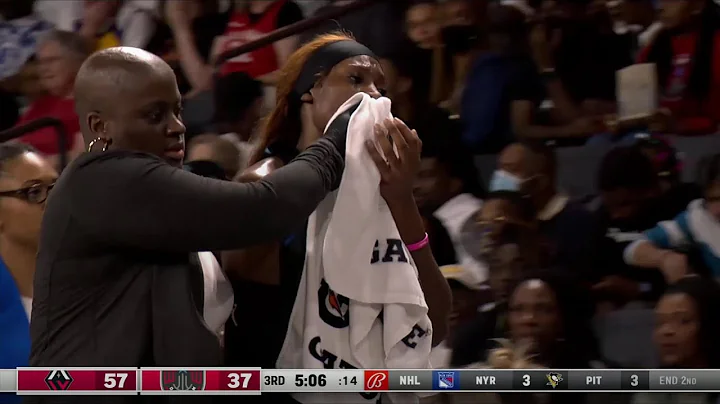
point(359, 304)
point(218, 295)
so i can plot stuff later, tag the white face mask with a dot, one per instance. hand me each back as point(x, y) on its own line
point(504, 181)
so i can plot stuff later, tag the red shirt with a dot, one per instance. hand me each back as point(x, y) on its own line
point(45, 139)
point(694, 117)
point(240, 30)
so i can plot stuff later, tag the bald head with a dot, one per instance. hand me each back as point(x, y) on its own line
point(109, 75)
point(129, 99)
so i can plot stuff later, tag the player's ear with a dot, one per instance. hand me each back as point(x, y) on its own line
point(95, 124)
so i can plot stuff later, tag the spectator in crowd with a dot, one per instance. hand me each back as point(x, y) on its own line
point(468, 294)
point(59, 58)
point(24, 185)
point(320, 90)
point(461, 12)
point(503, 61)
point(549, 316)
point(462, 20)
point(686, 334)
point(550, 308)
point(675, 194)
point(423, 23)
point(447, 188)
point(377, 26)
point(199, 39)
point(567, 48)
point(630, 204)
point(105, 23)
point(505, 217)
point(238, 110)
point(18, 70)
point(503, 237)
point(695, 227)
point(218, 150)
point(408, 102)
point(684, 52)
point(185, 40)
point(251, 20)
point(567, 228)
point(21, 37)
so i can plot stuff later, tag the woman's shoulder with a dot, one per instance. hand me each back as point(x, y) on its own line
point(109, 166)
point(122, 157)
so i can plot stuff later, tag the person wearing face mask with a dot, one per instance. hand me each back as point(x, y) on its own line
point(568, 230)
point(698, 227)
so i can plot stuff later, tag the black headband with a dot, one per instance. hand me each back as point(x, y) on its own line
point(324, 59)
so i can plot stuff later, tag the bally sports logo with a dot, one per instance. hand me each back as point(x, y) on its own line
point(377, 380)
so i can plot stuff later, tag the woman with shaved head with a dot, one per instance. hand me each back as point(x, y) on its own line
point(117, 283)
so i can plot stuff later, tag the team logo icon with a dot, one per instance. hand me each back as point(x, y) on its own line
point(446, 380)
point(554, 379)
point(333, 307)
point(377, 380)
point(58, 380)
point(182, 380)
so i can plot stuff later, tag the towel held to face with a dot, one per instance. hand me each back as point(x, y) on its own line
point(359, 304)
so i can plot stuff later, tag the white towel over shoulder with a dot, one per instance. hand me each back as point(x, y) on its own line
point(359, 304)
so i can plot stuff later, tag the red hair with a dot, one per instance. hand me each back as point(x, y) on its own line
point(284, 120)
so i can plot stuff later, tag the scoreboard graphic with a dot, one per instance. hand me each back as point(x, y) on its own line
point(254, 381)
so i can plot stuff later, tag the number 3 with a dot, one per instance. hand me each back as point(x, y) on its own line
point(526, 380)
point(634, 380)
point(235, 380)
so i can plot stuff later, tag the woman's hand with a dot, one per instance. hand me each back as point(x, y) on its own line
point(397, 171)
point(661, 121)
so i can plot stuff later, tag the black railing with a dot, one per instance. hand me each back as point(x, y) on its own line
point(293, 29)
point(32, 126)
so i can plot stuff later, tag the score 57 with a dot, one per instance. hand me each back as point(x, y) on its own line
point(242, 380)
point(117, 380)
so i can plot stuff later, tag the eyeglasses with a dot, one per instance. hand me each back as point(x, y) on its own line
point(35, 194)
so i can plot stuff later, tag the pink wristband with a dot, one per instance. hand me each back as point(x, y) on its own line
point(420, 244)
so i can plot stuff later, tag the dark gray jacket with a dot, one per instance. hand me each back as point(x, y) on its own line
point(115, 284)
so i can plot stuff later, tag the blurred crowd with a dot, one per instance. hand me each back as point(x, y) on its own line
point(616, 280)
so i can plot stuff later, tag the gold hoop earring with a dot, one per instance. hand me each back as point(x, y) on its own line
point(106, 143)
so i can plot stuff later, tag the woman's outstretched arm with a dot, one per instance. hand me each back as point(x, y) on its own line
point(136, 200)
